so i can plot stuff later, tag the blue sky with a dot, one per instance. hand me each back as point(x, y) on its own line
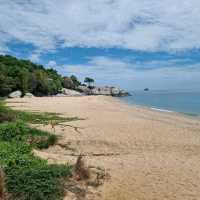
point(132, 44)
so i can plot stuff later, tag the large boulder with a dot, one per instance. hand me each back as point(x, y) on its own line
point(101, 91)
point(61, 95)
point(69, 92)
point(115, 91)
point(15, 94)
point(84, 89)
point(28, 95)
point(124, 93)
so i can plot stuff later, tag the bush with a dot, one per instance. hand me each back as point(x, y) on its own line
point(12, 153)
point(6, 117)
point(45, 143)
point(36, 183)
point(41, 139)
point(13, 130)
point(28, 177)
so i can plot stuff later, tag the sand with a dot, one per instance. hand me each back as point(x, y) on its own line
point(149, 155)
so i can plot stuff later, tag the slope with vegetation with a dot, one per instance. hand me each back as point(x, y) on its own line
point(23, 75)
point(28, 177)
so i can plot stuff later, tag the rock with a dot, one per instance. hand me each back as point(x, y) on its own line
point(115, 91)
point(146, 89)
point(61, 95)
point(69, 92)
point(15, 94)
point(124, 93)
point(108, 91)
point(101, 91)
point(28, 95)
point(84, 89)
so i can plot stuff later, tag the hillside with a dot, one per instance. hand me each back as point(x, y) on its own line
point(17, 74)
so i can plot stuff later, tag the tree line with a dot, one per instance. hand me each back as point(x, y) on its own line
point(23, 75)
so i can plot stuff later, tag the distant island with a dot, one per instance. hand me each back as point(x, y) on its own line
point(19, 78)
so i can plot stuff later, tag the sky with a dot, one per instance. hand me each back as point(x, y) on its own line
point(132, 44)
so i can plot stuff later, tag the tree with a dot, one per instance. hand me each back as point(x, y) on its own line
point(23, 81)
point(23, 75)
point(6, 85)
point(76, 82)
point(89, 81)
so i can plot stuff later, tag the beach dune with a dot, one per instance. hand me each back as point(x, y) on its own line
point(149, 155)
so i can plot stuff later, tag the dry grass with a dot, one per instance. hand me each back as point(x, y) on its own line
point(81, 171)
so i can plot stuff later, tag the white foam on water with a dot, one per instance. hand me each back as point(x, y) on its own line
point(161, 110)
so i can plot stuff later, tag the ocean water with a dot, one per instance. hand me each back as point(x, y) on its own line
point(187, 102)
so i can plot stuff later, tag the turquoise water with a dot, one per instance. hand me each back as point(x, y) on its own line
point(187, 102)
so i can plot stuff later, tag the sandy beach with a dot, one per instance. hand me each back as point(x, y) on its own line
point(149, 155)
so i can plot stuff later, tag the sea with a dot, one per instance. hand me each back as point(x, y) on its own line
point(181, 101)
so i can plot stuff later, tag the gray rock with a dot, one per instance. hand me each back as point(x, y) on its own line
point(61, 95)
point(124, 93)
point(69, 92)
point(28, 95)
point(84, 89)
point(108, 91)
point(115, 91)
point(103, 91)
point(15, 94)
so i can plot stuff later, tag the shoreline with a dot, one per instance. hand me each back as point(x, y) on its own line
point(159, 109)
point(148, 154)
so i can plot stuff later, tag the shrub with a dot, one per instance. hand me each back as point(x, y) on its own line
point(28, 177)
point(13, 130)
point(12, 152)
point(6, 117)
point(41, 139)
point(37, 183)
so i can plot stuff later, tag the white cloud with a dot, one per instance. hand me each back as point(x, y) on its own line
point(148, 25)
point(125, 74)
point(52, 63)
point(35, 56)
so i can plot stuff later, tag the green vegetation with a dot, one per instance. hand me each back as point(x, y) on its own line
point(71, 82)
point(23, 75)
point(7, 115)
point(28, 177)
point(89, 81)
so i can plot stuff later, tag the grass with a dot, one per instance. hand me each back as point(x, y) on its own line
point(7, 115)
point(29, 177)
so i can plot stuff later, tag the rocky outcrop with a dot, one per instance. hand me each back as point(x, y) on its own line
point(108, 91)
point(15, 94)
point(101, 91)
point(84, 89)
point(68, 92)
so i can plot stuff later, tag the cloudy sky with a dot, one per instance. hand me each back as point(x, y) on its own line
point(129, 43)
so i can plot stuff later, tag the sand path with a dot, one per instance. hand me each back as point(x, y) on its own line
point(150, 155)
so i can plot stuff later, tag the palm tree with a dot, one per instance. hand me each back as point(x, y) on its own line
point(89, 81)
